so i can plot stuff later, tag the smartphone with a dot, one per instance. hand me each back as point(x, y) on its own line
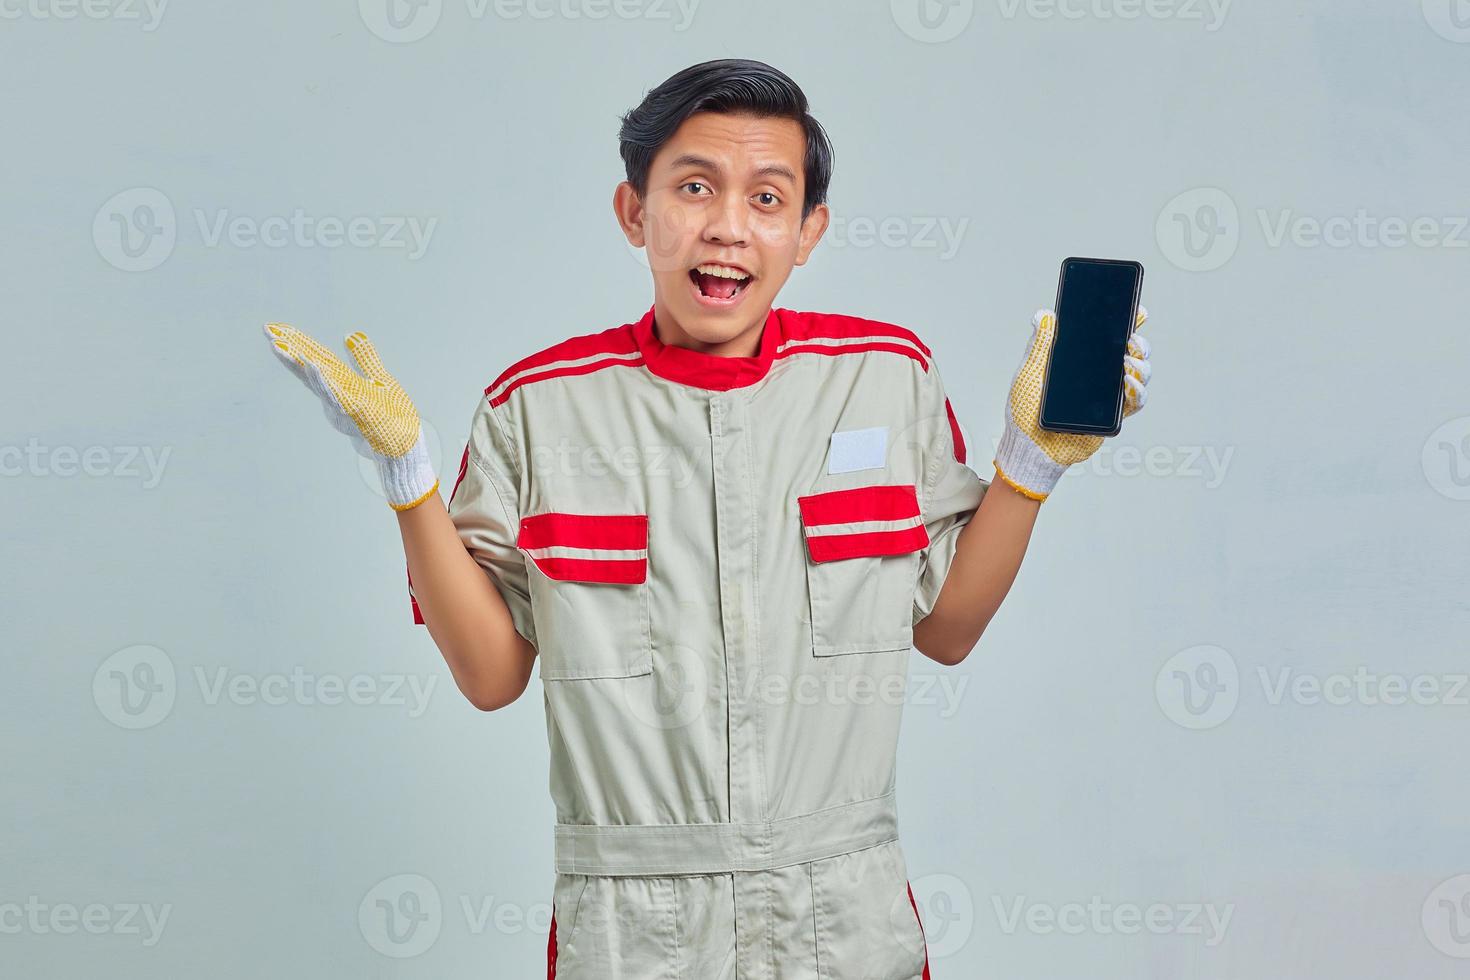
point(1097, 306)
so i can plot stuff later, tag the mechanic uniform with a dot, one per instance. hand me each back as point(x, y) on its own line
point(720, 561)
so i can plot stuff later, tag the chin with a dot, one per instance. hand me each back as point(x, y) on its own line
point(712, 328)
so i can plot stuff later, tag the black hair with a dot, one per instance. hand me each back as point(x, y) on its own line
point(731, 85)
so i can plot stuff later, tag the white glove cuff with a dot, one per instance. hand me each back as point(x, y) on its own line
point(1023, 465)
point(408, 480)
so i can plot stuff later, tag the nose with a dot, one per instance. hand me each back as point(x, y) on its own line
point(727, 223)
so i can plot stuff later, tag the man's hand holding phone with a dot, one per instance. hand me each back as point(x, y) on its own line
point(1031, 459)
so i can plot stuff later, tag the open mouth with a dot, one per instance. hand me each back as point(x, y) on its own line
point(719, 283)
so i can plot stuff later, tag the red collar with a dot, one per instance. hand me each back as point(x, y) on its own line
point(710, 371)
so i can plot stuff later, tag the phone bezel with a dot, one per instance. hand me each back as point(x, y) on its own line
point(1117, 424)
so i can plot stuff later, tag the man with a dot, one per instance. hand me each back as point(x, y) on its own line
point(723, 527)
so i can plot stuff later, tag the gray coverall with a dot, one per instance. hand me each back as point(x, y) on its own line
point(720, 561)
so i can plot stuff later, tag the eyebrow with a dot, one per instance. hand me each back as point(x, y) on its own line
point(701, 163)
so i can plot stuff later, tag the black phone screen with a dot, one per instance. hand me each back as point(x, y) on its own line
point(1096, 305)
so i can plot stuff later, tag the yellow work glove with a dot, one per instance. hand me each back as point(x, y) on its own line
point(371, 408)
point(1031, 459)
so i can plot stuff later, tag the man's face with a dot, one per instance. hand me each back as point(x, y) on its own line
point(721, 225)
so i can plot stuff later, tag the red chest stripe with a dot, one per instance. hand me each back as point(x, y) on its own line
point(863, 521)
point(610, 548)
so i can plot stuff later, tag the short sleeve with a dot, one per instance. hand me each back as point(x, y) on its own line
point(950, 493)
point(483, 506)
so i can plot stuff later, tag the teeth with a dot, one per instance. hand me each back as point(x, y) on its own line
point(723, 271)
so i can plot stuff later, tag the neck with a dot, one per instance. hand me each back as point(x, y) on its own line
point(747, 343)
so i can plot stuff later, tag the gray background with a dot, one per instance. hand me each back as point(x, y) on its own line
point(1120, 737)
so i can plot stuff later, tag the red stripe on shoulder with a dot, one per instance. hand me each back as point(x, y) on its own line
point(956, 435)
point(616, 342)
point(837, 326)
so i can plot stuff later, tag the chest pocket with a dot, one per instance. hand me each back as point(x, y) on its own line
point(589, 593)
point(863, 548)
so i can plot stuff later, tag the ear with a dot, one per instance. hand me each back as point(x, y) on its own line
point(813, 227)
point(628, 209)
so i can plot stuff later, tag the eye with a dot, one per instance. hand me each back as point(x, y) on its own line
point(767, 199)
point(699, 188)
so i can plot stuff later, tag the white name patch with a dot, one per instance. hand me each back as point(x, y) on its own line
point(858, 449)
